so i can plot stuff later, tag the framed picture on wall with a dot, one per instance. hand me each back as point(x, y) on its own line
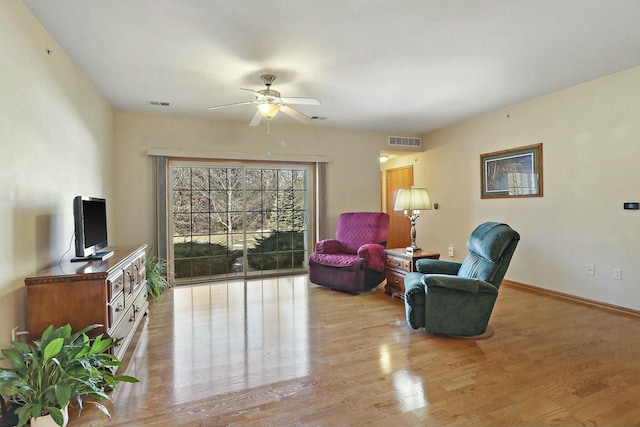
point(516, 172)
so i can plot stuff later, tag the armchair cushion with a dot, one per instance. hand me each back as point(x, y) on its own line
point(487, 247)
point(435, 266)
point(359, 228)
point(334, 259)
point(493, 250)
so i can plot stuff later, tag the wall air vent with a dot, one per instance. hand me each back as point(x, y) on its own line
point(405, 141)
point(159, 103)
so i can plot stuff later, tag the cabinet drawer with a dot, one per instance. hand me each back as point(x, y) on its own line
point(122, 331)
point(395, 279)
point(140, 304)
point(140, 270)
point(397, 262)
point(129, 279)
point(137, 279)
point(116, 309)
point(116, 284)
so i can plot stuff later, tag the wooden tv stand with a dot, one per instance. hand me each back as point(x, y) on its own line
point(111, 292)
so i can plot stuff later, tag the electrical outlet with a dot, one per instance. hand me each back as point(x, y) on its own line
point(617, 274)
point(451, 250)
point(591, 269)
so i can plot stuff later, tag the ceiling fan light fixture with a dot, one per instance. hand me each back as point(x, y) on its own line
point(268, 110)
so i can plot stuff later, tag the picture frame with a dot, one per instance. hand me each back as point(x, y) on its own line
point(512, 173)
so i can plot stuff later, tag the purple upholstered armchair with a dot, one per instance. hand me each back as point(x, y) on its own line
point(355, 260)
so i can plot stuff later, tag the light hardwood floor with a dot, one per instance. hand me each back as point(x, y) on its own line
point(282, 352)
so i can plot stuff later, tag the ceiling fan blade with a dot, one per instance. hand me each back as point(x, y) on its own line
point(231, 105)
point(257, 118)
point(301, 100)
point(295, 114)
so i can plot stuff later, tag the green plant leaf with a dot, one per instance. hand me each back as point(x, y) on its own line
point(53, 348)
point(100, 345)
point(46, 335)
point(83, 352)
point(24, 414)
point(36, 410)
point(127, 379)
point(63, 394)
point(21, 346)
point(84, 331)
point(65, 331)
point(102, 408)
point(14, 357)
point(57, 416)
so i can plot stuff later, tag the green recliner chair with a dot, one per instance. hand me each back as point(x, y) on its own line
point(454, 298)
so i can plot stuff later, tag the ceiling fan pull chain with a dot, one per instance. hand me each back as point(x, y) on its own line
point(268, 127)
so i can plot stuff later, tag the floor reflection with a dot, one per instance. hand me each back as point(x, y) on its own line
point(409, 391)
point(239, 335)
point(408, 388)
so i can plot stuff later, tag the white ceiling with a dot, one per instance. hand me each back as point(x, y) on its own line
point(403, 66)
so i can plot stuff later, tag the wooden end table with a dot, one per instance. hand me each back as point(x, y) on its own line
point(399, 263)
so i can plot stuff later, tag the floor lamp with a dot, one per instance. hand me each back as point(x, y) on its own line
point(414, 200)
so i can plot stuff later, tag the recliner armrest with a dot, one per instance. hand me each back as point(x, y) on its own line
point(435, 266)
point(375, 256)
point(458, 283)
point(414, 298)
point(328, 246)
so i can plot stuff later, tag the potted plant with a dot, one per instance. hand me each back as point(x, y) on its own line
point(156, 271)
point(59, 367)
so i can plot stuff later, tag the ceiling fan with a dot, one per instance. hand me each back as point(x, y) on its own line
point(268, 103)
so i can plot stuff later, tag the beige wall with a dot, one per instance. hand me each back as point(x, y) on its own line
point(56, 140)
point(591, 149)
point(59, 138)
point(353, 177)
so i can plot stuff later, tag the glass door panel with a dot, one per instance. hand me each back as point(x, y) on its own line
point(240, 221)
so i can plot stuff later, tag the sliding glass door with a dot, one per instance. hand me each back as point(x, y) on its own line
point(239, 220)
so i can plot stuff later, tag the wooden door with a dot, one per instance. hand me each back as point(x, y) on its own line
point(399, 226)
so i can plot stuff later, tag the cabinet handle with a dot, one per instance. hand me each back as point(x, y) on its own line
point(396, 279)
point(136, 309)
point(132, 317)
point(397, 263)
point(119, 308)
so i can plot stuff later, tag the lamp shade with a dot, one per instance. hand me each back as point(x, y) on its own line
point(268, 109)
point(412, 199)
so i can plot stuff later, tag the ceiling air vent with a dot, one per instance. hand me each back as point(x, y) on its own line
point(405, 141)
point(159, 103)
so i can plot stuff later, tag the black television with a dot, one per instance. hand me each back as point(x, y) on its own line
point(90, 220)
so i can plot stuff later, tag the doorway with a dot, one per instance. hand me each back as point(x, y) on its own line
point(399, 226)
